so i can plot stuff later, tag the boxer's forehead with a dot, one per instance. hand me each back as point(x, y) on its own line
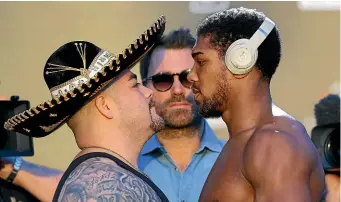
point(202, 47)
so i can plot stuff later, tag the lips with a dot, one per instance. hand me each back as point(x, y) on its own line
point(179, 104)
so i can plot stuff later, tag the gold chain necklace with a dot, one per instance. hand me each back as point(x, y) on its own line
point(116, 154)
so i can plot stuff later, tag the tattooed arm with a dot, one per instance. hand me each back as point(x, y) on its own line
point(101, 179)
point(38, 180)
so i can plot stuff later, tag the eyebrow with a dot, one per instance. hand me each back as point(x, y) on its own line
point(132, 76)
point(196, 54)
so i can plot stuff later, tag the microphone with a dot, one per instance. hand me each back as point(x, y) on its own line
point(327, 110)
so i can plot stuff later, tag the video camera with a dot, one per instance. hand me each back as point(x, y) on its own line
point(13, 143)
point(327, 140)
point(326, 135)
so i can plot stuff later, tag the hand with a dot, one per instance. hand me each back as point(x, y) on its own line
point(6, 166)
point(333, 188)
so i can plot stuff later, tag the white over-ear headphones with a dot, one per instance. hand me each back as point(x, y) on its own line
point(242, 54)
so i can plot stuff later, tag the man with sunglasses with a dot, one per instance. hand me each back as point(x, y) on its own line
point(178, 158)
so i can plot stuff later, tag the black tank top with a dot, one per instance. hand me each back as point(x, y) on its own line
point(120, 163)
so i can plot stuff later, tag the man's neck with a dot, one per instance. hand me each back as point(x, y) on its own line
point(181, 144)
point(117, 143)
point(249, 110)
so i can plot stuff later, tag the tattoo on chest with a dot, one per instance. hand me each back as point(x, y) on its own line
point(100, 179)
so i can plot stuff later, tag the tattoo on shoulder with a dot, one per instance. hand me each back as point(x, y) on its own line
point(101, 179)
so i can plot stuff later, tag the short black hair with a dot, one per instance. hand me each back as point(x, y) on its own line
point(176, 39)
point(225, 27)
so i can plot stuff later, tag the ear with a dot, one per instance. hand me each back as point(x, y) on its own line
point(104, 106)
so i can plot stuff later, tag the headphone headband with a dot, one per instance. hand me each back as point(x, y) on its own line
point(260, 35)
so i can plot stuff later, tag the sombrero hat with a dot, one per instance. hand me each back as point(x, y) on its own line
point(75, 73)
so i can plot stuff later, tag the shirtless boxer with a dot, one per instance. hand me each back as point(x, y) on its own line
point(269, 156)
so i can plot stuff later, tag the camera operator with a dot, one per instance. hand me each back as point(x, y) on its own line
point(9, 192)
point(326, 137)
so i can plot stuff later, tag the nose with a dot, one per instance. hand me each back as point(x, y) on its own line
point(192, 76)
point(177, 88)
point(147, 93)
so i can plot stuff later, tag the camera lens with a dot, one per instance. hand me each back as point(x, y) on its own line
point(332, 148)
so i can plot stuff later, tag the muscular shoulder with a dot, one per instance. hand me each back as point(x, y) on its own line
point(287, 136)
point(101, 179)
point(272, 151)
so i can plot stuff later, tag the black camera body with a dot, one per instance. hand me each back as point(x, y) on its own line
point(13, 143)
point(326, 138)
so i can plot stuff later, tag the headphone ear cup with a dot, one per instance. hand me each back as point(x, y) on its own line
point(239, 58)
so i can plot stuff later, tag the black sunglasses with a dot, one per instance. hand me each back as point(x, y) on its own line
point(163, 81)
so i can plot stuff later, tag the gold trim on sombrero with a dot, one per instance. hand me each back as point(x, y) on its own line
point(102, 59)
point(76, 79)
point(100, 87)
point(141, 40)
point(135, 44)
point(52, 115)
point(30, 113)
point(50, 103)
point(53, 126)
point(60, 68)
point(14, 121)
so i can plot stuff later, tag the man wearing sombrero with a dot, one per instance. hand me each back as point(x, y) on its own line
point(110, 114)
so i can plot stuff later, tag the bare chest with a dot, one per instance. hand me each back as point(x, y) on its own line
point(226, 181)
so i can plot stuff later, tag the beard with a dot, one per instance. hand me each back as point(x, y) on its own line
point(181, 117)
point(157, 123)
point(212, 107)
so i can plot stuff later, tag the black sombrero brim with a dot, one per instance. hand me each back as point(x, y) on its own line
point(45, 118)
